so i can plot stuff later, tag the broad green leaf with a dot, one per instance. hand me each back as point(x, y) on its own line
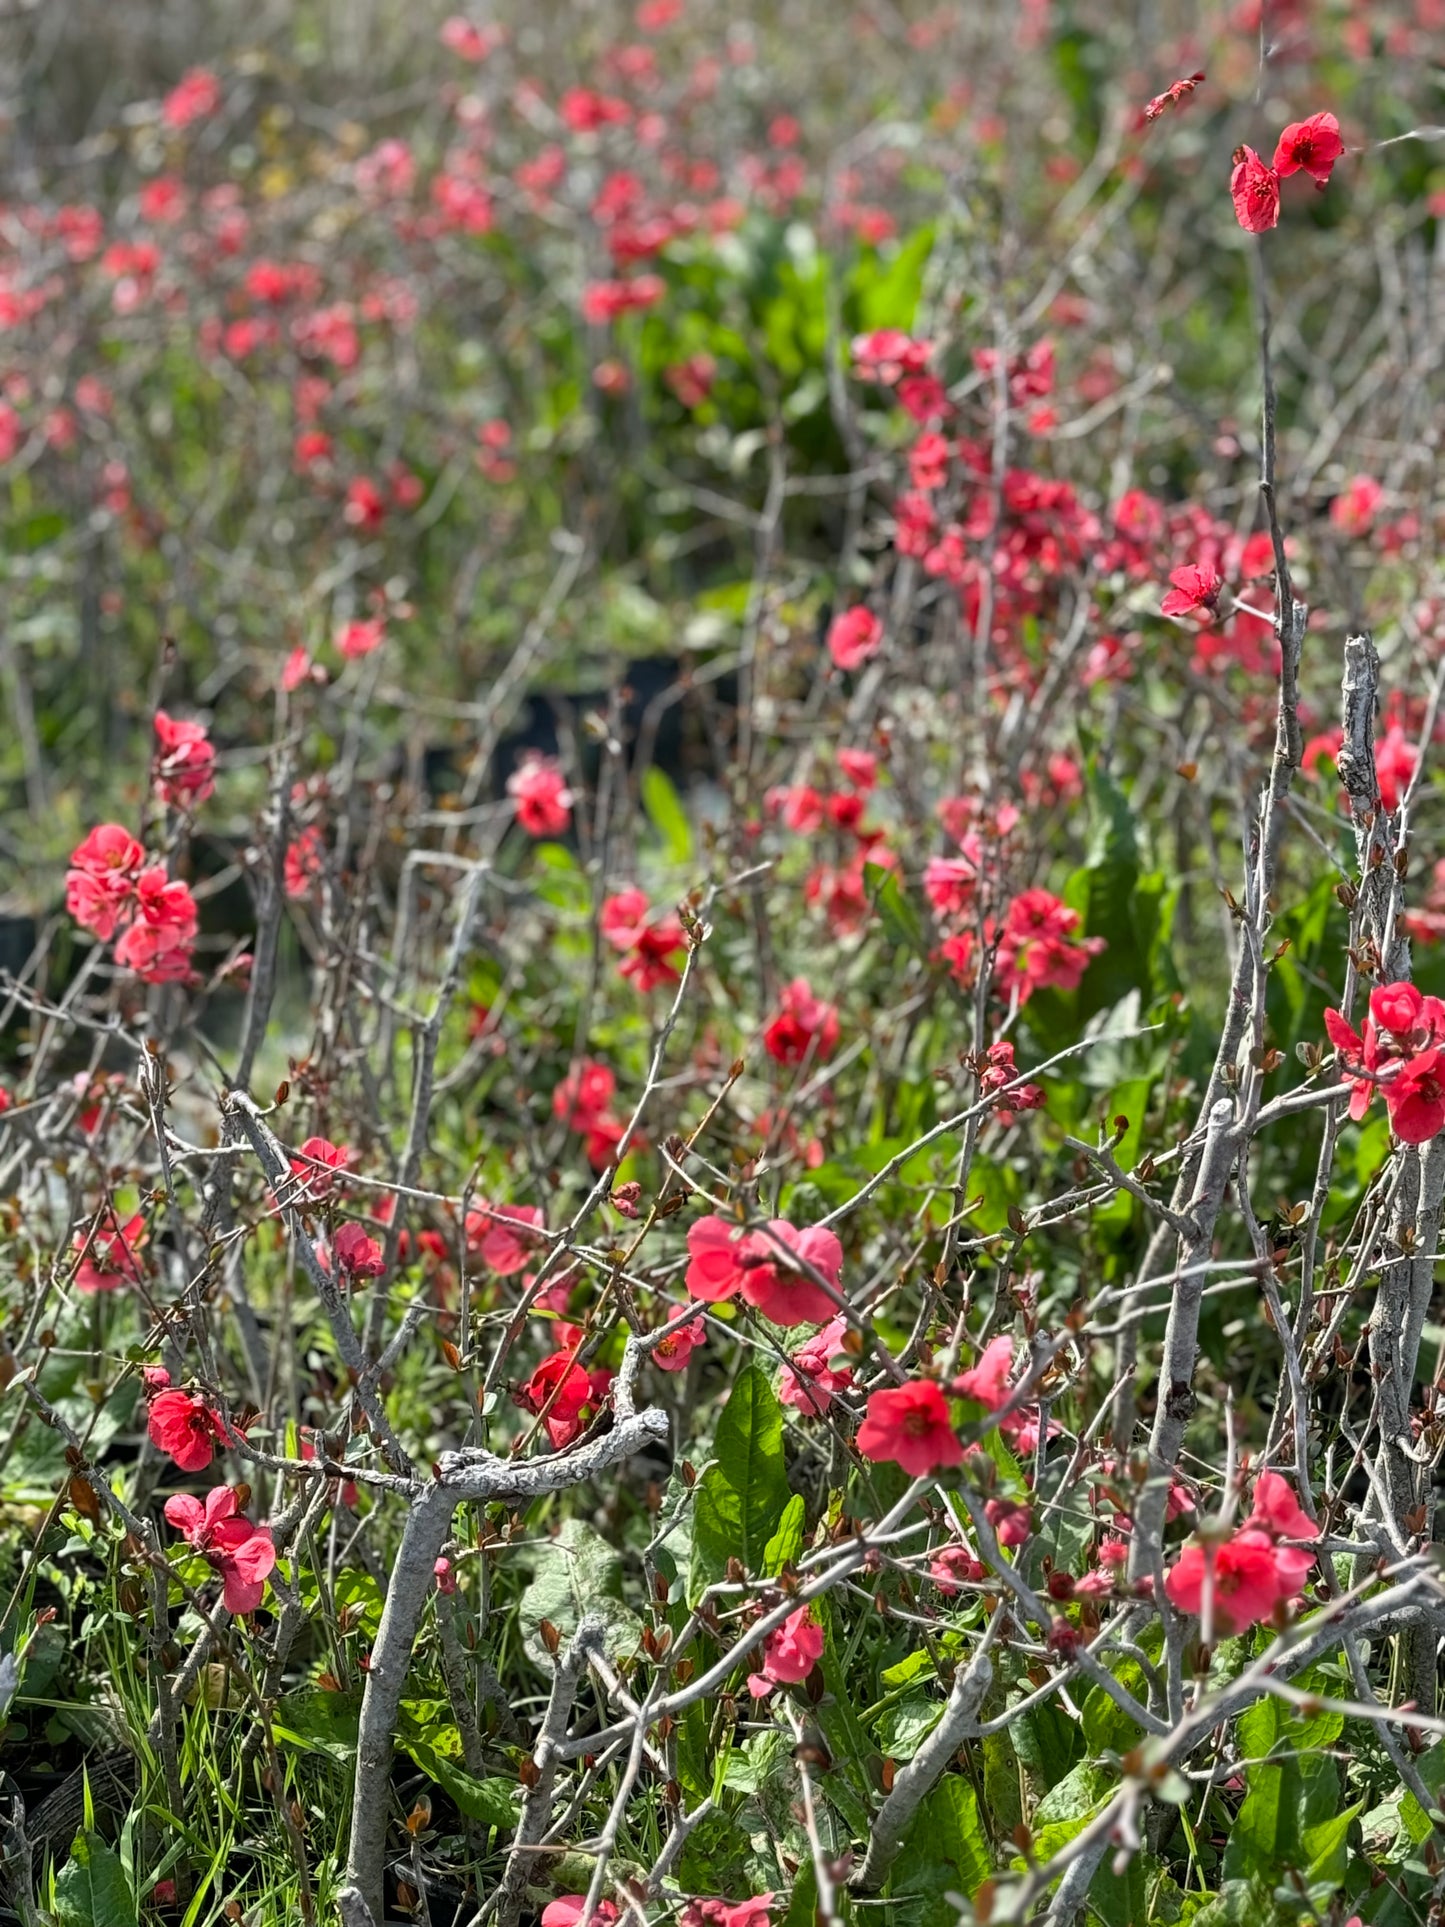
point(900, 917)
point(1326, 1847)
point(741, 1497)
point(902, 1728)
point(945, 1851)
point(666, 814)
point(493, 1802)
point(577, 1573)
point(785, 1548)
point(91, 1889)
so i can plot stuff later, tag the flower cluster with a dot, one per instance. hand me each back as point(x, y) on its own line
point(244, 1554)
point(113, 892)
point(649, 945)
point(771, 1268)
point(1305, 147)
point(1400, 1054)
point(1240, 1578)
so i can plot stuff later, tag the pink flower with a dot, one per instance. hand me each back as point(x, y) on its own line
point(445, 1575)
point(360, 638)
point(854, 637)
point(468, 41)
point(809, 1382)
point(1255, 192)
point(303, 862)
point(195, 96)
point(183, 1425)
point(719, 1254)
point(1038, 948)
point(543, 800)
point(671, 1354)
point(804, 1024)
point(357, 1255)
point(1011, 1521)
point(910, 1425)
point(1278, 1511)
point(887, 354)
point(111, 1260)
point(649, 945)
point(571, 1909)
point(790, 1652)
point(1196, 587)
point(101, 879)
point(1354, 509)
point(1310, 146)
point(503, 1236)
point(952, 1567)
point(784, 1295)
point(185, 763)
point(243, 1553)
point(988, 1380)
point(949, 883)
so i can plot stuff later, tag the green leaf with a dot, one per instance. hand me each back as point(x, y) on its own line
point(91, 1889)
point(577, 1573)
point(666, 814)
point(945, 1851)
point(900, 917)
point(493, 1802)
point(741, 1497)
point(317, 1722)
point(1326, 1847)
point(785, 1548)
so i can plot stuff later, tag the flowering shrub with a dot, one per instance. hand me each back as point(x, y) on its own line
point(723, 741)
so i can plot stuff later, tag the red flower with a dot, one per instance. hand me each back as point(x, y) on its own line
point(649, 947)
point(1400, 1052)
point(1251, 1575)
point(360, 638)
point(1278, 1511)
point(111, 1261)
point(719, 1256)
point(195, 96)
point(887, 354)
point(543, 800)
point(910, 1425)
point(241, 1552)
point(790, 1652)
point(504, 1238)
point(804, 1023)
point(1309, 146)
point(1011, 1521)
point(1255, 189)
point(1038, 947)
point(365, 505)
point(572, 1405)
point(303, 864)
point(317, 1164)
point(1173, 95)
point(1354, 509)
point(102, 877)
point(184, 1426)
point(1195, 587)
point(185, 763)
point(854, 637)
point(788, 1296)
point(356, 1254)
point(988, 1380)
